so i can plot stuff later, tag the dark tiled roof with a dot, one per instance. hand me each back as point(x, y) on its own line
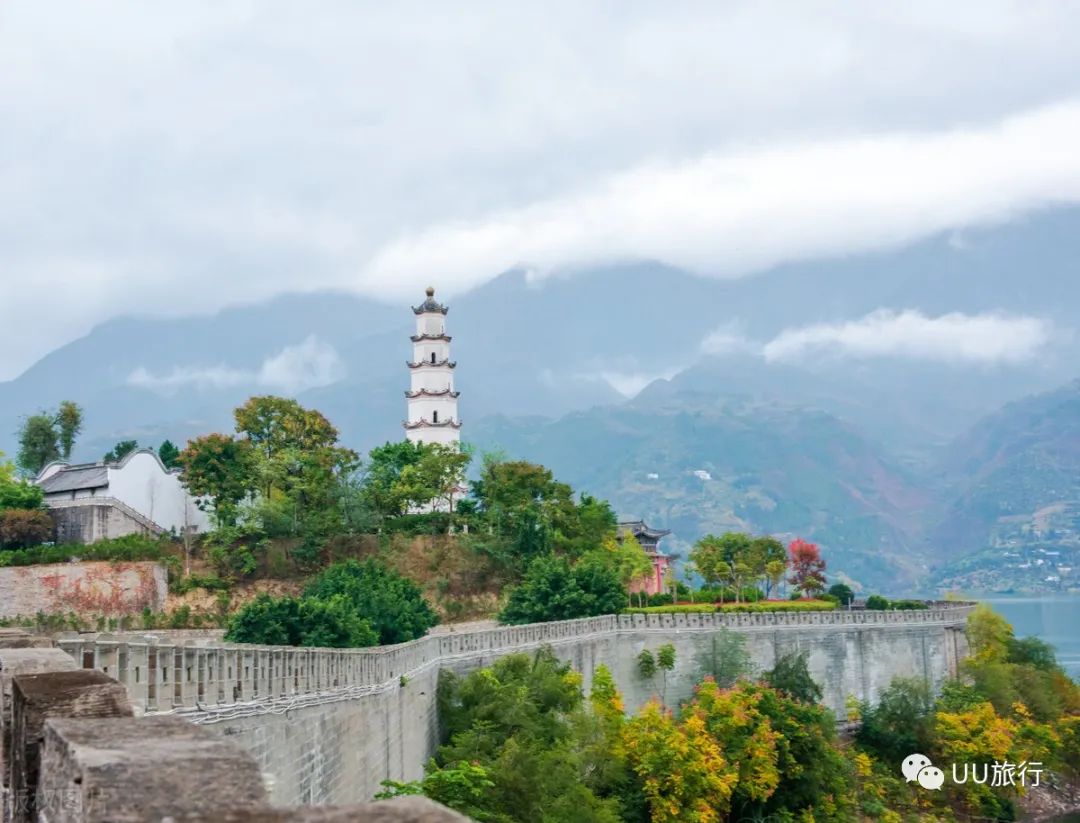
point(73, 478)
point(639, 529)
point(431, 304)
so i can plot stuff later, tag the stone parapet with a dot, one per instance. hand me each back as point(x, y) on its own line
point(14, 661)
point(142, 769)
point(327, 726)
point(83, 693)
point(163, 674)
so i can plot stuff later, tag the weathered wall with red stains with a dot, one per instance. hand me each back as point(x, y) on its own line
point(111, 589)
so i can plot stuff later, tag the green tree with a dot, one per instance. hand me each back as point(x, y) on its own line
point(464, 787)
point(733, 557)
point(39, 443)
point(626, 559)
point(532, 540)
point(553, 589)
point(791, 676)
point(726, 660)
point(814, 772)
point(709, 560)
point(842, 592)
point(297, 464)
point(435, 477)
point(120, 451)
point(16, 493)
point(762, 552)
point(774, 575)
point(989, 634)
point(169, 454)
point(291, 621)
point(391, 603)
point(380, 490)
point(69, 422)
point(901, 722)
point(217, 469)
point(518, 720)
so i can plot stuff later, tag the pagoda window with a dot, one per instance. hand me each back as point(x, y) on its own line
point(433, 357)
point(434, 414)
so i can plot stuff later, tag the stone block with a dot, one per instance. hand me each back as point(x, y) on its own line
point(124, 770)
point(398, 810)
point(15, 661)
point(22, 639)
point(35, 697)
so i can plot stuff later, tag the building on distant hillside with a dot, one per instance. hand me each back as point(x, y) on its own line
point(649, 540)
point(432, 400)
point(135, 495)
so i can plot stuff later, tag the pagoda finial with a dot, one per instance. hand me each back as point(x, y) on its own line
point(430, 291)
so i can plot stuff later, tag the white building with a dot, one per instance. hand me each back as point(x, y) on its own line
point(135, 495)
point(432, 400)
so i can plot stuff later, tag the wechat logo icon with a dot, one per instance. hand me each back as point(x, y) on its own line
point(918, 768)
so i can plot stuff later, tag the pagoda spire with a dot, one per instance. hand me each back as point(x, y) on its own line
point(431, 398)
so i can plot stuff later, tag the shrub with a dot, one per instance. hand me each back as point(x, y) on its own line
point(780, 606)
point(20, 528)
point(660, 599)
point(208, 583)
point(907, 605)
point(555, 590)
point(678, 608)
point(877, 603)
point(128, 548)
point(727, 593)
point(19, 494)
point(235, 550)
point(301, 621)
point(419, 523)
point(791, 676)
point(392, 604)
point(646, 664)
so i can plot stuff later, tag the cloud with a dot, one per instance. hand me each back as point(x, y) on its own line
point(727, 339)
point(308, 365)
point(728, 214)
point(954, 337)
point(630, 384)
point(177, 161)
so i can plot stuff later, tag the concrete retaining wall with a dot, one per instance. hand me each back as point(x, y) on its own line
point(326, 726)
point(84, 588)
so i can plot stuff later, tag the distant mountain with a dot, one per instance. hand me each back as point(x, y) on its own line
point(852, 452)
point(744, 466)
point(1016, 477)
point(571, 342)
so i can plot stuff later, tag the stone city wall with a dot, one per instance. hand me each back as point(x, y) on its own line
point(73, 752)
point(90, 588)
point(327, 725)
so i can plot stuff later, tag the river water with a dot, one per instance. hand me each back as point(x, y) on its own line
point(1053, 618)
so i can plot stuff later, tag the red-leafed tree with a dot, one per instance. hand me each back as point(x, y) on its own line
point(807, 567)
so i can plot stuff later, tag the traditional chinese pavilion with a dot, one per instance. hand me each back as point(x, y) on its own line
point(432, 400)
point(649, 540)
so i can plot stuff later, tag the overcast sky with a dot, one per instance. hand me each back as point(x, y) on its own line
point(177, 157)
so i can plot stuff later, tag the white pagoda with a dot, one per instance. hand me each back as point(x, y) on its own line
point(432, 401)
